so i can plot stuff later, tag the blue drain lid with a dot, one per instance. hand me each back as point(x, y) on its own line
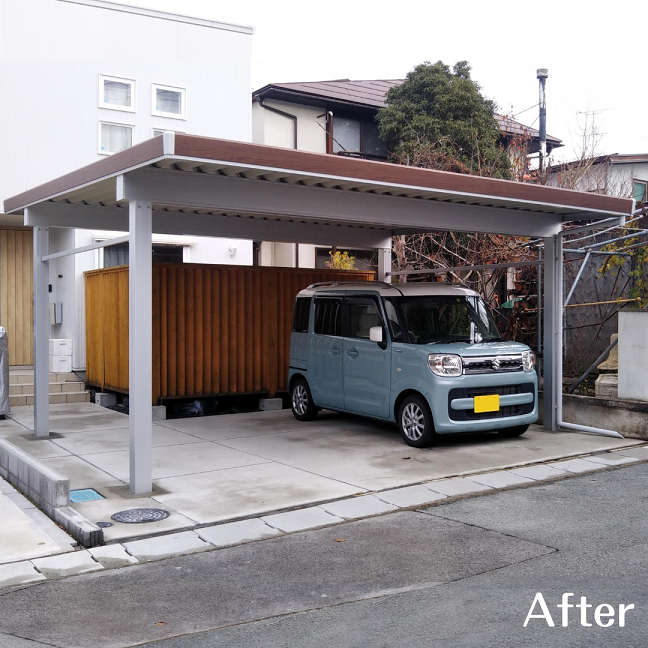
point(85, 495)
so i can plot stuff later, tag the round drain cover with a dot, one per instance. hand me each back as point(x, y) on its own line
point(140, 515)
point(104, 525)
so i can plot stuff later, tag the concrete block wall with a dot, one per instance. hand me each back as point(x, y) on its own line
point(42, 485)
point(49, 490)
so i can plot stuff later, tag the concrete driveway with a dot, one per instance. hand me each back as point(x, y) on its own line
point(218, 468)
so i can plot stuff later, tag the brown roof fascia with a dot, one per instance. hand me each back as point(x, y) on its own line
point(111, 165)
point(192, 146)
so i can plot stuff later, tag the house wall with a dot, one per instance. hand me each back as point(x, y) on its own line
point(51, 56)
point(276, 130)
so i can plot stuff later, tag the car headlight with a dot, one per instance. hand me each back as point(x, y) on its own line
point(528, 360)
point(443, 364)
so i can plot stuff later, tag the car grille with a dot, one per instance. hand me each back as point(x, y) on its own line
point(501, 390)
point(492, 364)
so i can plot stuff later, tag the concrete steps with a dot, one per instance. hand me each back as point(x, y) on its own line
point(63, 388)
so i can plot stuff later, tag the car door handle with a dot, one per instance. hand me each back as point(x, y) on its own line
point(398, 350)
point(334, 351)
point(352, 353)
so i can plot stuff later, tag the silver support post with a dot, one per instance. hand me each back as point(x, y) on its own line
point(578, 277)
point(552, 330)
point(384, 264)
point(41, 332)
point(140, 354)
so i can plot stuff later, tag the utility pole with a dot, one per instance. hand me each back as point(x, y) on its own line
point(542, 75)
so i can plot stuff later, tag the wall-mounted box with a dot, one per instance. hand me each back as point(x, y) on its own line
point(60, 364)
point(60, 347)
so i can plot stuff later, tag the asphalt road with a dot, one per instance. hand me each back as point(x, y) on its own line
point(462, 574)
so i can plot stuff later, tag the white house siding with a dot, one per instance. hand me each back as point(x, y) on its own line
point(276, 130)
point(51, 55)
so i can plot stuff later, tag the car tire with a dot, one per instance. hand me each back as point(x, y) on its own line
point(301, 401)
point(415, 422)
point(509, 433)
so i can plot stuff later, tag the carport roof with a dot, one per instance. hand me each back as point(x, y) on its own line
point(252, 164)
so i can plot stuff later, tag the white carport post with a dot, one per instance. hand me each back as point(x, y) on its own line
point(140, 349)
point(384, 262)
point(553, 344)
point(41, 332)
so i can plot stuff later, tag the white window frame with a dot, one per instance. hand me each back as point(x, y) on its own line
point(102, 104)
point(183, 100)
point(108, 123)
point(165, 130)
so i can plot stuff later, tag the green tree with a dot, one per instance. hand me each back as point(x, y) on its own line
point(439, 119)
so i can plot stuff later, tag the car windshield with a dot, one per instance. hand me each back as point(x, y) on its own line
point(445, 318)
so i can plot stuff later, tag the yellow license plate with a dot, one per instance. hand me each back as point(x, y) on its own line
point(488, 403)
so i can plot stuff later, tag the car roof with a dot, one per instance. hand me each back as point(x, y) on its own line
point(388, 290)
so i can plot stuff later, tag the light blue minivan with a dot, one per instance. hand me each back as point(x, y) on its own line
point(427, 357)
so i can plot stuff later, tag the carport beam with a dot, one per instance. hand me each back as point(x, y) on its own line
point(41, 332)
point(140, 350)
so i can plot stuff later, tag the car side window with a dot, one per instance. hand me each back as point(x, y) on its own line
point(328, 316)
point(301, 314)
point(392, 319)
point(362, 315)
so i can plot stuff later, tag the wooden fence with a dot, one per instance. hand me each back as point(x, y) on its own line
point(216, 329)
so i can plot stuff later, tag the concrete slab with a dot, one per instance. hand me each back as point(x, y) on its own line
point(610, 460)
point(112, 556)
point(576, 465)
point(64, 541)
point(358, 507)
point(410, 496)
point(538, 472)
point(233, 533)
point(457, 486)
point(20, 501)
point(82, 474)
point(102, 510)
point(96, 441)
point(302, 519)
point(371, 455)
point(166, 546)
point(247, 491)
point(171, 461)
point(500, 479)
point(20, 573)
point(20, 537)
point(70, 418)
point(39, 449)
point(251, 424)
point(69, 564)
point(6, 488)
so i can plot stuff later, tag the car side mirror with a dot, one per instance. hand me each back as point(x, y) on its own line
point(376, 334)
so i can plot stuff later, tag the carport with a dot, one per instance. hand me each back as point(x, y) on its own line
point(182, 184)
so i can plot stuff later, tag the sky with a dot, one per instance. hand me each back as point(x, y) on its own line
point(596, 59)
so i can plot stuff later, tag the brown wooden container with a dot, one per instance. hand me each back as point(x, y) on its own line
point(216, 329)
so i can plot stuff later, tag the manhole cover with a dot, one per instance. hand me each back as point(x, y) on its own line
point(104, 525)
point(140, 515)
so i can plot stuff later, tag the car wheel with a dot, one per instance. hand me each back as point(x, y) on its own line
point(415, 422)
point(513, 432)
point(301, 401)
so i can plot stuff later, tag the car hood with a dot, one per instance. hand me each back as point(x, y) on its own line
point(480, 349)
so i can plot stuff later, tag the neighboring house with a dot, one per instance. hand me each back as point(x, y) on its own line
point(82, 79)
point(338, 118)
point(615, 175)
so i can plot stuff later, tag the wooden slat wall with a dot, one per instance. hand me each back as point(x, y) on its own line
point(16, 293)
point(216, 329)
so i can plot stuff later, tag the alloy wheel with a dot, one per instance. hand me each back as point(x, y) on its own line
point(413, 421)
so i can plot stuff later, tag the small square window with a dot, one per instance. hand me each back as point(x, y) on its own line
point(168, 101)
point(116, 93)
point(114, 138)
